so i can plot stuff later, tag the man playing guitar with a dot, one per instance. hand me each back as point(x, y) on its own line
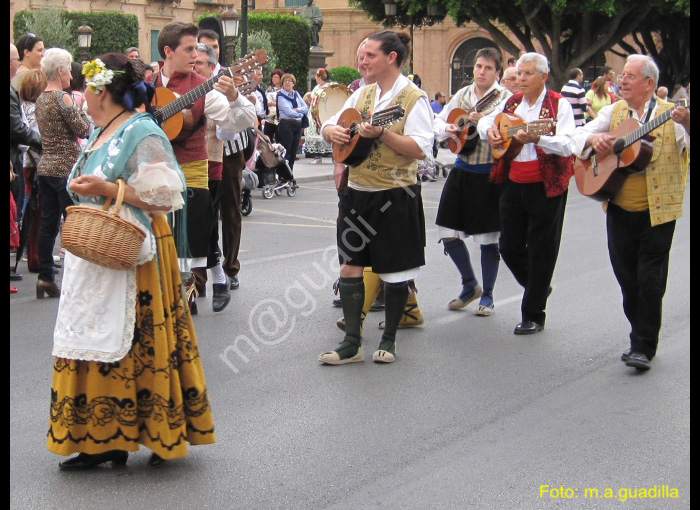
point(469, 201)
point(177, 44)
point(533, 198)
point(641, 216)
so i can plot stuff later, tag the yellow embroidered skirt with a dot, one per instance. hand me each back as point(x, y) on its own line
point(156, 395)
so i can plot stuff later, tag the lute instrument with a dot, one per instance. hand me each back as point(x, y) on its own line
point(178, 124)
point(358, 148)
point(466, 139)
point(508, 125)
point(602, 175)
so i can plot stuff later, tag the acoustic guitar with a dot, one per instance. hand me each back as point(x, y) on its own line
point(508, 125)
point(177, 124)
point(358, 148)
point(467, 138)
point(602, 175)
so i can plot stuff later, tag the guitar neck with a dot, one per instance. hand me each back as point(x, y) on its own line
point(385, 117)
point(188, 98)
point(643, 130)
point(485, 101)
point(536, 128)
point(251, 60)
point(382, 118)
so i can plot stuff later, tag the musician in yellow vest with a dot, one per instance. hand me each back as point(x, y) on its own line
point(380, 218)
point(642, 215)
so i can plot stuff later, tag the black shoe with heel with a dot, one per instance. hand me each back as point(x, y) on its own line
point(84, 461)
point(155, 460)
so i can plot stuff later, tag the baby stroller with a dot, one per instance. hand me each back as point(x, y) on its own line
point(272, 169)
point(249, 182)
point(430, 168)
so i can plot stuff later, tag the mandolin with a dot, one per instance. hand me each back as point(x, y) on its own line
point(358, 148)
point(508, 125)
point(177, 124)
point(602, 175)
point(467, 138)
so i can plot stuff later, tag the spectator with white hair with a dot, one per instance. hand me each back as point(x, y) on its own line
point(536, 183)
point(60, 123)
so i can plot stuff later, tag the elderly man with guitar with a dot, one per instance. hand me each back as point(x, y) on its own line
point(380, 218)
point(645, 187)
point(469, 201)
point(531, 139)
point(177, 44)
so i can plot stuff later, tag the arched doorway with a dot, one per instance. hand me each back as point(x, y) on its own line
point(462, 61)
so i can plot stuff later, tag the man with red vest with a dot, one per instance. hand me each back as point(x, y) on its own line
point(536, 185)
point(177, 44)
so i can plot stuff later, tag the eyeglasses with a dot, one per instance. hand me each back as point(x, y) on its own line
point(631, 77)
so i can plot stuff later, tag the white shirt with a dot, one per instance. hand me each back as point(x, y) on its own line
point(259, 103)
point(419, 121)
point(234, 117)
point(601, 124)
point(440, 121)
point(559, 144)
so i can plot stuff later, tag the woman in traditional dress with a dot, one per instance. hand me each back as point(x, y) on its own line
point(314, 144)
point(127, 368)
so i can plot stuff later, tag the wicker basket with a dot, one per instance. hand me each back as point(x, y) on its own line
point(102, 237)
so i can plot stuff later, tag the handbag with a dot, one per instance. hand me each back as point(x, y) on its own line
point(102, 237)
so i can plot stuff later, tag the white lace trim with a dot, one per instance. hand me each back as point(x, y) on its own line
point(65, 320)
point(156, 184)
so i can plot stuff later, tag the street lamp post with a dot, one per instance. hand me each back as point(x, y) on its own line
point(229, 22)
point(84, 40)
point(390, 7)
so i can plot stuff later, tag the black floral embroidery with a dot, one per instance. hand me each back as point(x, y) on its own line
point(145, 298)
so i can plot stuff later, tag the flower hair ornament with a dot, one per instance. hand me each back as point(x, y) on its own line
point(97, 75)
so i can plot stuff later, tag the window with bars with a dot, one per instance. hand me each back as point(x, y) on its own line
point(462, 62)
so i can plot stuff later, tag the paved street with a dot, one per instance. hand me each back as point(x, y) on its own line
point(469, 416)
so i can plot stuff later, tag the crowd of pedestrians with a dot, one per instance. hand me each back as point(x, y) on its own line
point(80, 133)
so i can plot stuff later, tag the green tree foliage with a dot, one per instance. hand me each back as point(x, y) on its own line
point(343, 74)
point(112, 31)
point(665, 36)
point(290, 39)
point(260, 40)
point(570, 32)
point(48, 24)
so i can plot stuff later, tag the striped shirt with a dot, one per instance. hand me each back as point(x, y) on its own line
point(576, 95)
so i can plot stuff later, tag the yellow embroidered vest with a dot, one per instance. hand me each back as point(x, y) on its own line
point(385, 168)
point(665, 175)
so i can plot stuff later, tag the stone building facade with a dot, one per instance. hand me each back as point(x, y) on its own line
point(443, 54)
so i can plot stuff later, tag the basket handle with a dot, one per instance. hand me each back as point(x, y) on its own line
point(120, 198)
